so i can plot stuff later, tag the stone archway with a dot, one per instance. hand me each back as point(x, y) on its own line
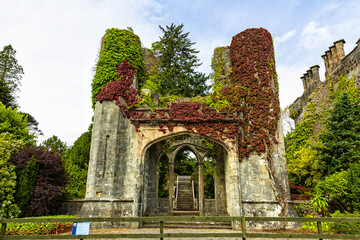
point(153, 205)
point(126, 139)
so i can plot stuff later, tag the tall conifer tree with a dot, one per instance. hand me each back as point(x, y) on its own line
point(341, 140)
point(10, 76)
point(178, 63)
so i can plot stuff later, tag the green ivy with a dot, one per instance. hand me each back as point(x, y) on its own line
point(218, 101)
point(116, 46)
point(300, 156)
point(152, 81)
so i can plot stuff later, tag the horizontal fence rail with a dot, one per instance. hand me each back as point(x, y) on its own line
point(161, 235)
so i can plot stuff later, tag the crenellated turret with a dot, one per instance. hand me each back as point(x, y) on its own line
point(311, 79)
point(333, 56)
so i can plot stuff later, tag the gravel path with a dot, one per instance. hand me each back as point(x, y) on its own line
point(179, 230)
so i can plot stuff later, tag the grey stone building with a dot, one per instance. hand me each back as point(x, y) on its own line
point(123, 175)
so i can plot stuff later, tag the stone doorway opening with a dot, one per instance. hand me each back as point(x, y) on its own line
point(185, 173)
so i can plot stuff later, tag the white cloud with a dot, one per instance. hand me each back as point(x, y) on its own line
point(313, 36)
point(57, 43)
point(290, 84)
point(285, 37)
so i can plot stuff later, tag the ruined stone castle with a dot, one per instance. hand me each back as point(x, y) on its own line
point(316, 91)
point(251, 175)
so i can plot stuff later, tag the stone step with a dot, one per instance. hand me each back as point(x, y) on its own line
point(190, 225)
point(185, 195)
point(186, 212)
point(183, 201)
point(185, 207)
point(186, 200)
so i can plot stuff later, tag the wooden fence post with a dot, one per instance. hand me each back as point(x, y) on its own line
point(2, 231)
point(243, 227)
point(319, 227)
point(161, 230)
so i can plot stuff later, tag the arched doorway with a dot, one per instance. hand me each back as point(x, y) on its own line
point(200, 159)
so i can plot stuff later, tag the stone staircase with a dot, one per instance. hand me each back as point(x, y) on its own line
point(185, 207)
point(185, 201)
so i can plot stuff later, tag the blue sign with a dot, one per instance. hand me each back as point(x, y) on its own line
point(81, 228)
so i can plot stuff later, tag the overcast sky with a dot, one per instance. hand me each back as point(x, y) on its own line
point(57, 43)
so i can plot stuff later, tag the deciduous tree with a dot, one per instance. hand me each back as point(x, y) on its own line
point(46, 193)
point(15, 123)
point(8, 146)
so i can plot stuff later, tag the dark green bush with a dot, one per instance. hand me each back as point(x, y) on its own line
point(353, 196)
point(345, 228)
point(76, 162)
point(39, 228)
point(26, 183)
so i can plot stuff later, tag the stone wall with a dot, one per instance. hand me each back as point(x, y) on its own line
point(71, 207)
point(114, 178)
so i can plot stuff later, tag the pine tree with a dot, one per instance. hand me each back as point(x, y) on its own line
point(341, 140)
point(10, 76)
point(178, 62)
point(55, 145)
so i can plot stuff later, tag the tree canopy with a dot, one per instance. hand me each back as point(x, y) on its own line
point(8, 146)
point(41, 180)
point(10, 76)
point(54, 144)
point(15, 123)
point(178, 63)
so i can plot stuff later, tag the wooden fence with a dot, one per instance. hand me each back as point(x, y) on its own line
point(161, 235)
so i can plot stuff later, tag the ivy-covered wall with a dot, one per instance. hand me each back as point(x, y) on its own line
point(244, 106)
point(116, 46)
point(255, 90)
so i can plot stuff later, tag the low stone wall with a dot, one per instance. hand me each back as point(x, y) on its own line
point(70, 207)
point(210, 207)
point(163, 207)
point(266, 209)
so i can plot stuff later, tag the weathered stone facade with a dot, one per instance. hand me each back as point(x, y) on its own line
point(124, 166)
point(336, 64)
point(122, 178)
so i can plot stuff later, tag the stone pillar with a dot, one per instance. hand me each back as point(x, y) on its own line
point(340, 53)
point(219, 182)
point(201, 187)
point(171, 182)
point(326, 63)
point(315, 73)
point(305, 84)
point(310, 79)
point(330, 61)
